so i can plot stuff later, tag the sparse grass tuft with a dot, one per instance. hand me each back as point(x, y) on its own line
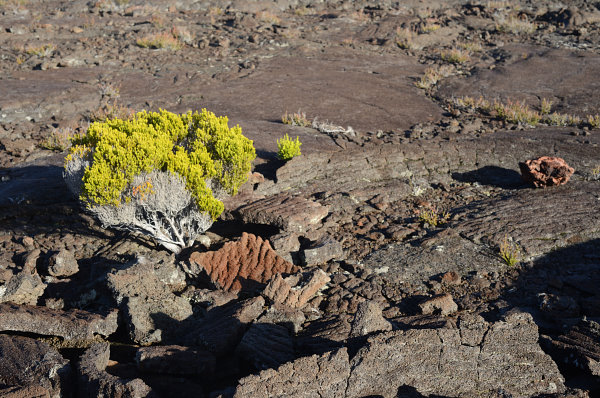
point(471, 47)
point(456, 56)
point(295, 119)
point(182, 34)
point(288, 148)
point(268, 17)
point(433, 216)
point(595, 173)
point(545, 106)
point(404, 38)
point(111, 110)
point(160, 40)
point(594, 121)
point(517, 113)
point(59, 140)
point(509, 252)
point(45, 50)
point(429, 27)
point(516, 25)
point(432, 76)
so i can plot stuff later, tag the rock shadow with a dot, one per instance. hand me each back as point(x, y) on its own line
point(492, 175)
point(561, 291)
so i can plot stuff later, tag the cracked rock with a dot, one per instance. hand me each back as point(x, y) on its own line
point(322, 251)
point(546, 171)
point(72, 324)
point(63, 264)
point(266, 345)
point(23, 288)
point(442, 304)
point(295, 290)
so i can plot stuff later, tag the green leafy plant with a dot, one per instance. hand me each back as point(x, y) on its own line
point(288, 148)
point(509, 252)
point(159, 173)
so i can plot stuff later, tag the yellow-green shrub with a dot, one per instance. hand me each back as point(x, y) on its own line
point(288, 148)
point(198, 147)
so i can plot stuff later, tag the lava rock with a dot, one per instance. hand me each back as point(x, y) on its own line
point(94, 381)
point(546, 171)
point(175, 360)
point(23, 288)
point(73, 324)
point(368, 319)
point(266, 345)
point(295, 290)
point(322, 251)
point(63, 264)
point(32, 368)
point(442, 303)
point(242, 265)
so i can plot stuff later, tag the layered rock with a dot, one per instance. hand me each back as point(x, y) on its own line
point(295, 290)
point(245, 264)
point(71, 324)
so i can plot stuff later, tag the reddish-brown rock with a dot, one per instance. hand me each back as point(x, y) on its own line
point(546, 171)
point(243, 264)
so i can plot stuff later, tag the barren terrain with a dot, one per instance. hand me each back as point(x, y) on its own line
point(372, 264)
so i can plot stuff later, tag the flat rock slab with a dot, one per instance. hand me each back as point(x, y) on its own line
point(31, 368)
point(286, 212)
point(539, 220)
point(474, 358)
point(568, 78)
point(70, 325)
point(412, 266)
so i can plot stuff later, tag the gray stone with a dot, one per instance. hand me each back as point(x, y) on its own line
point(63, 264)
point(23, 288)
point(322, 376)
point(368, 319)
point(175, 360)
point(94, 381)
point(153, 313)
point(434, 361)
point(280, 314)
point(32, 368)
point(442, 304)
point(322, 251)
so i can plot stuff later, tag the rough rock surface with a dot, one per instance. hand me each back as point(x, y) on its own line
point(23, 288)
point(295, 290)
point(223, 327)
point(151, 310)
point(241, 265)
point(71, 324)
point(368, 319)
point(442, 304)
point(31, 368)
point(321, 251)
point(63, 264)
point(175, 360)
point(266, 345)
point(94, 381)
point(580, 346)
point(286, 212)
point(323, 376)
point(507, 357)
point(546, 171)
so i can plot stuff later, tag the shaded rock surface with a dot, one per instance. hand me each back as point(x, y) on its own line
point(94, 381)
point(71, 324)
point(175, 360)
point(151, 310)
point(266, 345)
point(32, 368)
point(23, 288)
point(241, 265)
point(223, 327)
